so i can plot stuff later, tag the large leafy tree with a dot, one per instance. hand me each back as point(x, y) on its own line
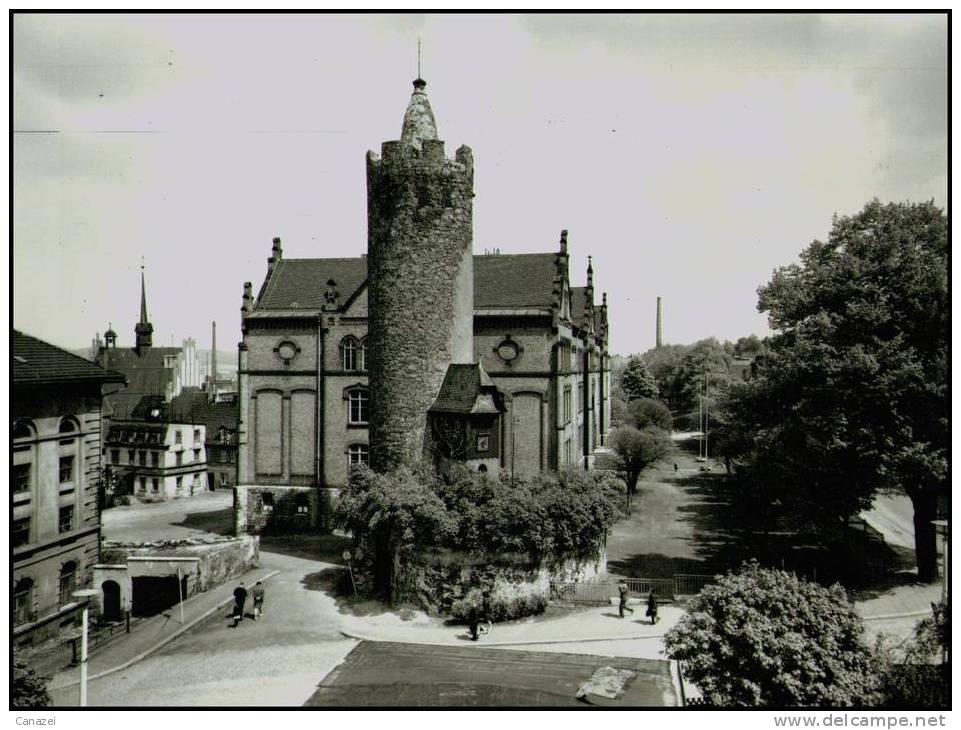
point(852, 396)
point(637, 382)
point(765, 638)
point(29, 688)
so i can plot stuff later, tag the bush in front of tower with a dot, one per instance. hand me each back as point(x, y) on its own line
point(471, 528)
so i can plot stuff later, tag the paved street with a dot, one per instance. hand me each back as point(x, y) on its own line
point(208, 512)
point(476, 677)
point(277, 660)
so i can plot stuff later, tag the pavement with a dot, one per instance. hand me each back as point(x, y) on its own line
point(153, 633)
point(589, 625)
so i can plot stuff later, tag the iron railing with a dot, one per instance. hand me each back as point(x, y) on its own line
point(605, 591)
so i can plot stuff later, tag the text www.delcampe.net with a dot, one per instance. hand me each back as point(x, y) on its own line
point(847, 720)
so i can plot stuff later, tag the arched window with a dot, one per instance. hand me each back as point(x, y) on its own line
point(69, 425)
point(23, 601)
point(351, 354)
point(358, 454)
point(23, 430)
point(357, 406)
point(68, 582)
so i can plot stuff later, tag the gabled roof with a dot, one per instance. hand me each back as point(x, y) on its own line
point(467, 389)
point(513, 281)
point(504, 281)
point(145, 373)
point(302, 283)
point(34, 361)
point(192, 405)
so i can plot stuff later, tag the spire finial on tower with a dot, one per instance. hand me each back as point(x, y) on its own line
point(143, 294)
point(143, 330)
point(418, 58)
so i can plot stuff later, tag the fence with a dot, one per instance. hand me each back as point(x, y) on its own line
point(600, 593)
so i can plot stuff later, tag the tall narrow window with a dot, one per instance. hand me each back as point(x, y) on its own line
point(20, 476)
point(65, 522)
point(66, 469)
point(154, 458)
point(23, 602)
point(178, 437)
point(303, 504)
point(179, 456)
point(68, 582)
point(350, 354)
point(20, 532)
point(357, 406)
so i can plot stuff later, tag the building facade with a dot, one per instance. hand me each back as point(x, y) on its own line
point(55, 478)
point(157, 455)
point(369, 359)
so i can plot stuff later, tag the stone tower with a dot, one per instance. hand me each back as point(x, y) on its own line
point(420, 280)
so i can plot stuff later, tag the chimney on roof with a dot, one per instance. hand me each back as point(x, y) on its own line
point(213, 362)
point(564, 242)
point(248, 304)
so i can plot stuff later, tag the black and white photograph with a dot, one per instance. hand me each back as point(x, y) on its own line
point(480, 360)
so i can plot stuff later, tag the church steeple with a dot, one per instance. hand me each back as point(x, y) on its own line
point(143, 330)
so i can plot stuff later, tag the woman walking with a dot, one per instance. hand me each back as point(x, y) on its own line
point(652, 607)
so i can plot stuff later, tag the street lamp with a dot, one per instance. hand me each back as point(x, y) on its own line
point(85, 594)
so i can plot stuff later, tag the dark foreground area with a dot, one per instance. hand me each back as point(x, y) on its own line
point(444, 676)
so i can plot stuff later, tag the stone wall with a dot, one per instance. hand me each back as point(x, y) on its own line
point(420, 288)
point(434, 580)
point(280, 509)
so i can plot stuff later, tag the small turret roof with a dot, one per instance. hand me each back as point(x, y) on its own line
point(419, 121)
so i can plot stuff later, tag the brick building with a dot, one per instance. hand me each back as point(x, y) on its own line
point(420, 349)
point(55, 483)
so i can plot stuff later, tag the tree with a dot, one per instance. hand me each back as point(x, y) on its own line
point(852, 396)
point(646, 412)
point(391, 515)
point(765, 638)
point(29, 687)
point(637, 381)
point(639, 449)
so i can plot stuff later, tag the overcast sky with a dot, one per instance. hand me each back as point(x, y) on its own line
point(689, 155)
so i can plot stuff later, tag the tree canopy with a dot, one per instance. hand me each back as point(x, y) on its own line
point(637, 382)
point(639, 449)
point(764, 638)
point(645, 412)
point(851, 396)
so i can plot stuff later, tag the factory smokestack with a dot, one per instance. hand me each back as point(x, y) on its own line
point(658, 340)
point(213, 361)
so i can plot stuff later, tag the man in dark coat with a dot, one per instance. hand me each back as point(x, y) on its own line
point(472, 621)
point(652, 607)
point(240, 598)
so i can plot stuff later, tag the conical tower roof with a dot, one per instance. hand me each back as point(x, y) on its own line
point(419, 121)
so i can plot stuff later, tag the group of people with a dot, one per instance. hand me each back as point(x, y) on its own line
point(622, 606)
point(240, 600)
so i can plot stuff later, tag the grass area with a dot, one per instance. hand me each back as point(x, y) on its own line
point(699, 522)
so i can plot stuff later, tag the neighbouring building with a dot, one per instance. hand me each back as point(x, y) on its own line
point(419, 349)
point(55, 477)
point(156, 454)
point(219, 412)
point(150, 370)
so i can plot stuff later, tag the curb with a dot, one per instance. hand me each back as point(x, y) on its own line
point(528, 642)
point(163, 642)
point(887, 616)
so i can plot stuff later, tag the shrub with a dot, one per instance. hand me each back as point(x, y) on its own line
point(29, 687)
point(501, 608)
point(646, 412)
point(764, 638)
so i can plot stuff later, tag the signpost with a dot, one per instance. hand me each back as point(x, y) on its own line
point(347, 557)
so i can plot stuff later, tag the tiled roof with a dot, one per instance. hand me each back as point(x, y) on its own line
point(145, 372)
point(505, 281)
point(509, 281)
point(463, 385)
point(36, 361)
point(302, 283)
point(193, 406)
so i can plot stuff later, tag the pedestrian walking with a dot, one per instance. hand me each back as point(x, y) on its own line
point(240, 598)
point(258, 594)
point(472, 621)
point(652, 606)
point(622, 599)
point(675, 468)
